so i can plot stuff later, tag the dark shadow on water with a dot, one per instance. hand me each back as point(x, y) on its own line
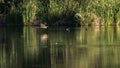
point(2, 35)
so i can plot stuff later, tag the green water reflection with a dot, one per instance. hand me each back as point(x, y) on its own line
point(85, 47)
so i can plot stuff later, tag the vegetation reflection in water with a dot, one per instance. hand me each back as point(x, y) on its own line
point(85, 47)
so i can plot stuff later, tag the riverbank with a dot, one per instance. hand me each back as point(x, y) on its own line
point(61, 13)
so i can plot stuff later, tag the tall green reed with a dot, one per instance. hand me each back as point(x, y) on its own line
point(29, 11)
point(107, 10)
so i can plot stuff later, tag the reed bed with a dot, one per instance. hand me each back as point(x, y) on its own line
point(50, 11)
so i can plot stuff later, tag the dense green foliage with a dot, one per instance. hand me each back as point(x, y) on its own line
point(106, 12)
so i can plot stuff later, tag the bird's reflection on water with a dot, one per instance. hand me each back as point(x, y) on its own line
point(31, 47)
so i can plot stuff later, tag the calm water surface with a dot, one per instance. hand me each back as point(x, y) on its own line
point(85, 47)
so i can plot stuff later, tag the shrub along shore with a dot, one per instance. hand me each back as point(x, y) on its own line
point(61, 12)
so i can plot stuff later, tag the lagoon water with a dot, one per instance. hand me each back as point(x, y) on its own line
point(84, 47)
